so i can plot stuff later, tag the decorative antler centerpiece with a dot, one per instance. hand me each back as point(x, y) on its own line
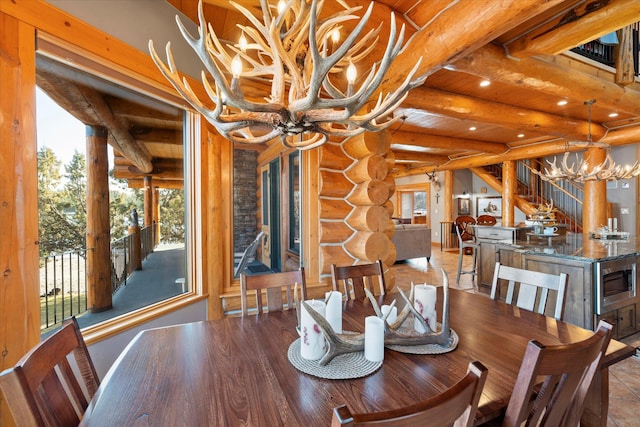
point(296, 51)
point(394, 334)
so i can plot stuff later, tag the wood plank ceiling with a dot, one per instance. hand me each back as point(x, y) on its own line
point(519, 46)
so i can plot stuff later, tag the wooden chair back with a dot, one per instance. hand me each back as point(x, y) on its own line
point(272, 284)
point(351, 280)
point(486, 220)
point(461, 223)
point(456, 405)
point(533, 289)
point(567, 372)
point(42, 388)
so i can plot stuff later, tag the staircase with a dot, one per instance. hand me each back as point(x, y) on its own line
point(532, 191)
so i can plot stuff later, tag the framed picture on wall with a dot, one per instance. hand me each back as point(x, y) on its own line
point(464, 206)
point(489, 206)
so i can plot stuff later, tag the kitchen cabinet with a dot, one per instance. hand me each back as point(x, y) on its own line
point(624, 320)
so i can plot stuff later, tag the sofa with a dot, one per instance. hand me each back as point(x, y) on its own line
point(412, 241)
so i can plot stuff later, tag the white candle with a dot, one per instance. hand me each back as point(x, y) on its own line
point(373, 339)
point(393, 313)
point(609, 224)
point(424, 302)
point(615, 224)
point(334, 310)
point(311, 338)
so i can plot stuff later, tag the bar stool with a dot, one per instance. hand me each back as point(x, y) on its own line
point(464, 244)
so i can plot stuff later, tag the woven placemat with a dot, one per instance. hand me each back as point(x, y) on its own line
point(342, 367)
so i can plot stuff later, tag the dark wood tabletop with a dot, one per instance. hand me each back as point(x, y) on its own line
point(235, 371)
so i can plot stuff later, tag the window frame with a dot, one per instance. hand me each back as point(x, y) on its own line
point(77, 57)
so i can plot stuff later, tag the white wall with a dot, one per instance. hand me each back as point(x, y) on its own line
point(135, 22)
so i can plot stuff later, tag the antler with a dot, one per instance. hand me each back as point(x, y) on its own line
point(294, 54)
point(338, 344)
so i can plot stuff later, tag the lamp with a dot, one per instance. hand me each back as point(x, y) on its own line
point(297, 52)
point(581, 171)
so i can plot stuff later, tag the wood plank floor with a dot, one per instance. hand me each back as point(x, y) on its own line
point(624, 395)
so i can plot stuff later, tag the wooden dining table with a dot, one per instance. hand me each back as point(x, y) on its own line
point(235, 371)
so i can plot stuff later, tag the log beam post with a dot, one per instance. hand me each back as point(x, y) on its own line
point(98, 234)
point(148, 200)
point(509, 189)
point(19, 283)
point(448, 196)
point(594, 212)
point(156, 216)
point(136, 246)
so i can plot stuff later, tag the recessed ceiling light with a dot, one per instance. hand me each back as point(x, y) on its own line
point(613, 115)
point(485, 83)
point(472, 128)
point(563, 102)
point(521, 135)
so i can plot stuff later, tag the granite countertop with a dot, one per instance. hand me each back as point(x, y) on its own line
point(578, 247)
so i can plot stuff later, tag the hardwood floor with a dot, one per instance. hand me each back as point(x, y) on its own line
point(624, 382)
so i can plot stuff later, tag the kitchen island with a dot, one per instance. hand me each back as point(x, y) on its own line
point(602, 274)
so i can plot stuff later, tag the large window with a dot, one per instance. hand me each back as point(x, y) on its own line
point(141, 122)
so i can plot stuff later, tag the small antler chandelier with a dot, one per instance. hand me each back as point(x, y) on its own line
point(298, 52)
point(580, 171)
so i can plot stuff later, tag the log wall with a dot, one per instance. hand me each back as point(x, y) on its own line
point(354, 198)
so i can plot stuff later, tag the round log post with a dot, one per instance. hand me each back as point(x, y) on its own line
point(369, 245)
point(369, 218)
point(374, 192)
point(148, 201)
point(509, 191)
point(98, 234)
point(368, 168)
point(136, 247)
point(594, 213)
point(156, 216)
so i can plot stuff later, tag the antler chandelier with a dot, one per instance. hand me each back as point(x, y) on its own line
point(298, 52)
point(581, 171)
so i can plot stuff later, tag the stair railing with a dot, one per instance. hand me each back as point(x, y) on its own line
point(566, 196)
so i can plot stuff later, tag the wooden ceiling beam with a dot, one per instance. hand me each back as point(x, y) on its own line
point(156, 135)
point(402, 156)
point(158, 164)
point(476, 109)
point(583, 23)
point(425, 140)
point(128, 172)
point(624, 136)
point(89, 106)
point(459, 30)
point(174, 184)
point(491, 62)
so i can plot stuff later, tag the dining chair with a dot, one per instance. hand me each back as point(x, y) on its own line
point(464, 245)
point(43, 389)
point(565, 371)
point(351, 279)
point(457, 405)
point(533, 287)
point(487, 220)
point(272, 284)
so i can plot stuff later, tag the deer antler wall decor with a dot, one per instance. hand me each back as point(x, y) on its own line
point(298, 52)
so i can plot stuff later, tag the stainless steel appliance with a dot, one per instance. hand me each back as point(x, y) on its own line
point(615, 283)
